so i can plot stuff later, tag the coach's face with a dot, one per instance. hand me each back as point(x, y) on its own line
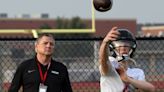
point(45, 46)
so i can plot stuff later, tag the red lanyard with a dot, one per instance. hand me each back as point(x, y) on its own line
point(43, 77)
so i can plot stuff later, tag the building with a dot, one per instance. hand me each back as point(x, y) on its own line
point(155, 31)
point(102, 25)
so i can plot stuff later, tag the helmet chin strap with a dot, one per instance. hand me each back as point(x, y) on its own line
point(123, 57)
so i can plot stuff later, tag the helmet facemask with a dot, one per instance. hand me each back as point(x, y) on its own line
point(123, 55)
point(125, 40)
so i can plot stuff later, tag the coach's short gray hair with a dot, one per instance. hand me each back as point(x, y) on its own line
point(40, 36)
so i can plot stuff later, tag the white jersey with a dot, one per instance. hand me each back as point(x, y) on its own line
point(137, 74)
point(112, 81)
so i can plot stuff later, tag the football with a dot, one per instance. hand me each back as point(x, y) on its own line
point(102, 5)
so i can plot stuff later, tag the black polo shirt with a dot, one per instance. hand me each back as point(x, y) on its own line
point(27, 75)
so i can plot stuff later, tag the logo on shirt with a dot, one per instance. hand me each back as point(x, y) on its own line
point(30, 71)
point(54, 72)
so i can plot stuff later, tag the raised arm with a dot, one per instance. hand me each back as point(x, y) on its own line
point(103, 52)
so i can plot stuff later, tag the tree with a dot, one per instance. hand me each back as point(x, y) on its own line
point(45, 26)
point(74, 23)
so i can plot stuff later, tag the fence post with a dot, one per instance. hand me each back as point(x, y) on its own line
point(96, 49)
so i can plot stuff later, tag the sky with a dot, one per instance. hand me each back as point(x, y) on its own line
point(144, 11)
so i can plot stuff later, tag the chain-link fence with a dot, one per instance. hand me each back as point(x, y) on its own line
point(81, 58)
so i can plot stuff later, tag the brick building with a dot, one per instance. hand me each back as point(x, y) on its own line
point(102, 25)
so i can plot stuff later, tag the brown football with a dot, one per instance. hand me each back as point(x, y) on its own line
point(102, 5)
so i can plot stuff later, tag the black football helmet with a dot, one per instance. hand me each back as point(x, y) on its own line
point(125, 38)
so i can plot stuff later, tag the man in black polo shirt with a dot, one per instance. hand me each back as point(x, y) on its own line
point(41, 73)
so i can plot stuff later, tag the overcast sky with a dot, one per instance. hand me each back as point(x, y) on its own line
point(144, 11)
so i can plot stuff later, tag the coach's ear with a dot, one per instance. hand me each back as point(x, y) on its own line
point(35, 47)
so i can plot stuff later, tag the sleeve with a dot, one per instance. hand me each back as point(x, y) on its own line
point(112, 65)
point(111, 69)
point(66, 84)
point(141, 75)
point(17, 80)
